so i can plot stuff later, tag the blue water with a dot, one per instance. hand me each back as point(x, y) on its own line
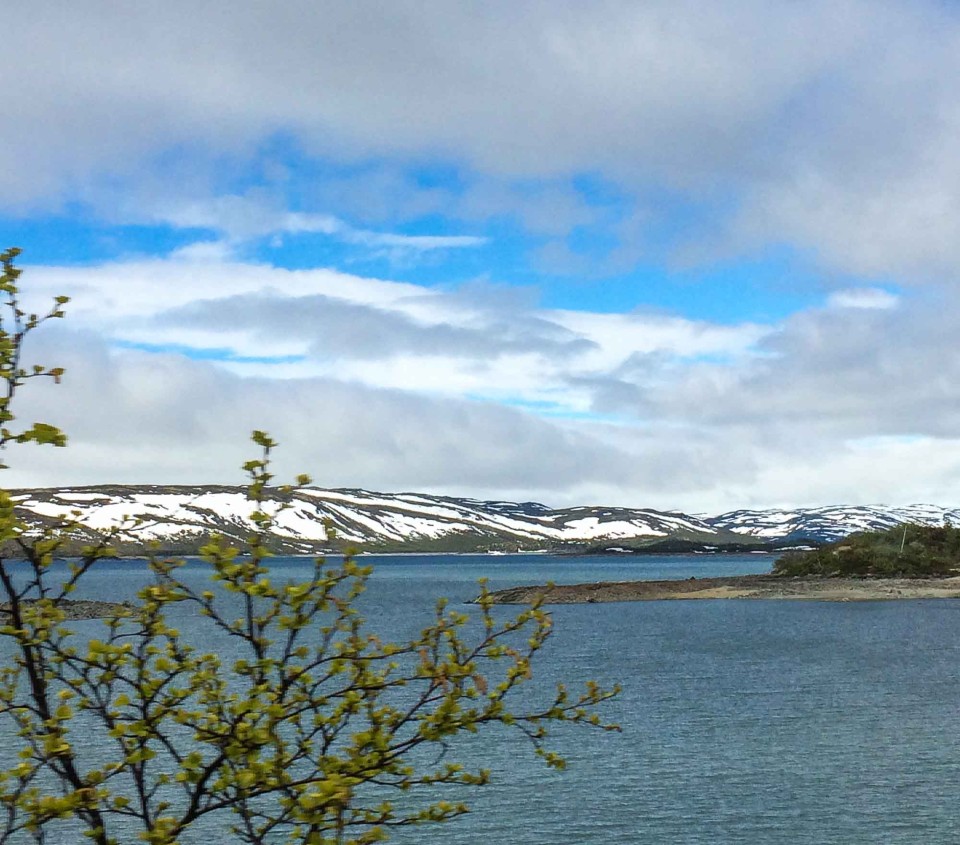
point(743, 721)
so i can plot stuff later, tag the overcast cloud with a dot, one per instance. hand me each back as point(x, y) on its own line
point(438, 246)
point(833, 124)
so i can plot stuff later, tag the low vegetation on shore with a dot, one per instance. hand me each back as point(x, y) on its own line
point(905, 551)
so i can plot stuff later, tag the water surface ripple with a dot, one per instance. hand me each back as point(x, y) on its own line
point(743, 722)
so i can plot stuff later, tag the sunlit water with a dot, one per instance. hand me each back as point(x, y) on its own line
point(743, 721)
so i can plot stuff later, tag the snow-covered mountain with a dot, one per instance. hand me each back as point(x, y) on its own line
point(829, 523)
point(183, 516)
point(180, 518)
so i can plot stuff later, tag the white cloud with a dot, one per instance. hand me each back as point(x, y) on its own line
point(377, 333)
point(136, 417)
point(244, 218)
point(114, 292)
point(199, 252)
point(870, 298)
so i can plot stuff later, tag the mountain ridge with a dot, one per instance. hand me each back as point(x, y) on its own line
point(180, 518)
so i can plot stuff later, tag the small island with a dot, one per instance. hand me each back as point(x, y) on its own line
point(904, 562)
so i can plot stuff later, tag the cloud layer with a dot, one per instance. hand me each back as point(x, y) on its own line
point(390, 385)
point(615, 143)
point(829, 125)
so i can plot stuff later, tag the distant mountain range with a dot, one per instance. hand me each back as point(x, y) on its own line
point(181, 518)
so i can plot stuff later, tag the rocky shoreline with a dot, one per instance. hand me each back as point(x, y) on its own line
point(79, 608)
point(736, 587)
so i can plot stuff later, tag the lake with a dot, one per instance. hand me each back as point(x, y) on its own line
point(743, 721)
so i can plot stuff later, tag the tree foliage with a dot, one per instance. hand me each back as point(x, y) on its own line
point(301, 727)
point(15, 325)
point(905, 551)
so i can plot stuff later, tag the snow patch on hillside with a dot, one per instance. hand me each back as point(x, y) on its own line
point(359, 516)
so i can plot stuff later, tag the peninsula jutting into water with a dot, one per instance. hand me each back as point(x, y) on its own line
point(905, 562)
point(737, 587)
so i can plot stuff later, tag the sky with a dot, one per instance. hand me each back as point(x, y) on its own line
point(667, 254)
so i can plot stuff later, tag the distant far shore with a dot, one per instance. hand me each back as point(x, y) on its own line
point(737, 587)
